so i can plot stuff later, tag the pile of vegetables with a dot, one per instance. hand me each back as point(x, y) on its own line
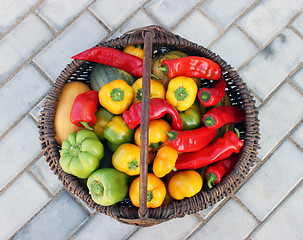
point(191, 134)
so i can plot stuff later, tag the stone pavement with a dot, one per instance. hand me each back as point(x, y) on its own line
point(262, 39)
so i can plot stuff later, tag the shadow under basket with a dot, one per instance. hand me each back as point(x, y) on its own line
point(156, 40)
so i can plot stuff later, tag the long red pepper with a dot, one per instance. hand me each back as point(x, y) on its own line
point(218, 116)
point(158, 108)
point(113, 57)
point(217, 150)
point(191, 66)
point(211, 96)
point(192, 140)
point(216, 171)
point(84, 108)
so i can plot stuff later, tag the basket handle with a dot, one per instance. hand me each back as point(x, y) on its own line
point(147, 59)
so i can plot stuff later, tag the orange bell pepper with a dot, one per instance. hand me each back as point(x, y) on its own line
point(164, 161)
point(156, 191)
point(157, 133)
point(185, 184)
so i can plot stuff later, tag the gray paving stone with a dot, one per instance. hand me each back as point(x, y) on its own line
point(56, 221)
point(297, 78)
point(273, 181)
point(19, 203)
point(297, 135)
point(18, 149)
point(12, 94)
point(298, 23)
point(58, 13)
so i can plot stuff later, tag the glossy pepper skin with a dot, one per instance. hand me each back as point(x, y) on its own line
point(117, 132)
point(127, 159)
point(81, 153)
point(185, 184)
point(219, 116)
point(164, 161)
point(156, 133)
point(181, 92)
point(216, 171)
point(191, 118)
point(107, 186)
point(134, 50)
point(156, 191)
point(84, 108)
point(157, 90)
point(220, 149)
point(114, 58)
point(116, 96)
point(158, 108)
point(191, 140)
point(192, 66)
point(103, 118)
point(211, 96)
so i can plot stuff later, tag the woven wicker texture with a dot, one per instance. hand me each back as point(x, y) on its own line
point(124, 211)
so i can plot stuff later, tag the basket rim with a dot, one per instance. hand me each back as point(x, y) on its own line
point(162, 39)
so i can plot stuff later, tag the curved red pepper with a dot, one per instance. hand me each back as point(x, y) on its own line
point(113, 57)
point(158, 108)
point(211, 96)
point(220, 149)
point(218, 116)
point(192, 140)
point(216, 171)
point(84, 108)
point(191, 66)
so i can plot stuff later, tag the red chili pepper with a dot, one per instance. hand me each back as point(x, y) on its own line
point(191, 66)
point(220, 149)
point(216, 171)
point(113, 57)
point(158, 108)
point(84, 108)
point(211, 96)
point(192, 140)
point(218, 116)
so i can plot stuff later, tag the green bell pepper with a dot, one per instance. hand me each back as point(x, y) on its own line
point(117, 132)
point(81, 153)
point(107, 186)
point(191, 118)
point(103, 118)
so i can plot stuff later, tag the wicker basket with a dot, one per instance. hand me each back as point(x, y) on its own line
point(156, 40)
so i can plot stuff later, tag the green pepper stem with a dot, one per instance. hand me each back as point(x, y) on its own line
point(237, 132)
point(97, 188)
point(133, 165)
point(209, 121)
point(138, 46)
point(205, 96)
point(154, 76)
point(211, 179)
point(171, 135)
point(175, 169)
point(149, 196)
point(85, 124)
point(117, 94)
point(163, 69)
point(180, 93)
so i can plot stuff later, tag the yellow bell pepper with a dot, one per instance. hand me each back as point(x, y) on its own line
point(127, 159)
point(157, 90)
point(181, 92)
point(157, 136)
point(134, 50)
point(116, 96)
point(164, 161)
point(156, 191)
point(185, 184)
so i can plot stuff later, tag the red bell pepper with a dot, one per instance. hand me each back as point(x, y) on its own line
point(192, 140)
point(113, 57)
point(216, 171)
point(211, 96)
point(158, 108)
point(84, 108)
point(191, 66)
point(220, 149)
point(218, 116)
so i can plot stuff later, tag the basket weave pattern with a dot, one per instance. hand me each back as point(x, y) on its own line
point(124, 211)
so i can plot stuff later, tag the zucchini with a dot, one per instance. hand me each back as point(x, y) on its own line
point(103, 74)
